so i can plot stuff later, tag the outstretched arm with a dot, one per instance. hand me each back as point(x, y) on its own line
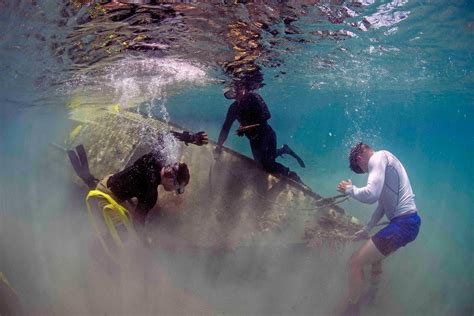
point(229, 119)
point(376, 216)
point(364, 232)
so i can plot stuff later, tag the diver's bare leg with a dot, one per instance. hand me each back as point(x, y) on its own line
point(365, 255)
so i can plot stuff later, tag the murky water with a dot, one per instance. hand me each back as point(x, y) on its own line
point(396, 74)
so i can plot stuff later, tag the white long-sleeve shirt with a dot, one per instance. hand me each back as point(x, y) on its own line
point(388, 184)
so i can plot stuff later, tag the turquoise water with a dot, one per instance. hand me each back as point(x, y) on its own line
point(404, 85)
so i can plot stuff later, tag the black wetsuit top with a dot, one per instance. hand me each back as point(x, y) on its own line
point(250, 110)
point(139, 180)
point(253, 110)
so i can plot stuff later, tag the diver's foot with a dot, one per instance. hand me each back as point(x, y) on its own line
point(288, 151)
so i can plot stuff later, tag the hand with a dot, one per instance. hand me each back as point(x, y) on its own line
point(240, 132)
point(341, 187)
point(200, 138)
point(184, 137)
point(361, 235)
point(217, 152)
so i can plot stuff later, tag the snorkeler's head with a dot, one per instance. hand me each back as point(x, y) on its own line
point(358, 158)
point(175, 177)
point(238, 90)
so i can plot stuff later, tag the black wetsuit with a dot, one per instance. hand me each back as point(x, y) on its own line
point(139, 180)
point(253, 110)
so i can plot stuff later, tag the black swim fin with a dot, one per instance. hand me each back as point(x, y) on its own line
point(76, 163)
point(81, 153)
point(286, 150)
point(81, 166)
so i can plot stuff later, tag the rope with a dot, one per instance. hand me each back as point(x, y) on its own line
point(326, 202)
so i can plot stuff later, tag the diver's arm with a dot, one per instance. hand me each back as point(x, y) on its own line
point(145, 203)
point(230, 118)
point(376, 216)
point(371, 192)
point(140, 213)
point(265, 111)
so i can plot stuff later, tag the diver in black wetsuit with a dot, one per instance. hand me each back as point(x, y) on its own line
point(141, 179)
point(252, 113)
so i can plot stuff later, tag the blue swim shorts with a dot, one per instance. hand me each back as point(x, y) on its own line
point(398, 233)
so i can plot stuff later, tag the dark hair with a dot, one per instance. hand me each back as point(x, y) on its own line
point(183, 174)
point(356, 151)
point(179, 171)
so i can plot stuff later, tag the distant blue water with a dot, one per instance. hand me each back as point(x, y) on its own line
point(432, 134)
point(406, 88)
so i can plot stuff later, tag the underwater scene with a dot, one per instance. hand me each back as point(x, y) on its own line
point(236, 157)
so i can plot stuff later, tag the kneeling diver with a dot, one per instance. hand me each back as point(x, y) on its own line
point(141, 179)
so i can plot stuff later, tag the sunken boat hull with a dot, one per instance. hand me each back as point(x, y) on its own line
point(228, 203)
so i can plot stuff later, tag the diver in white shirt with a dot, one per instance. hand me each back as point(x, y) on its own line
point(387, 184)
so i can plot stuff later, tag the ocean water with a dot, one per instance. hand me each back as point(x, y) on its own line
point(395, 74)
